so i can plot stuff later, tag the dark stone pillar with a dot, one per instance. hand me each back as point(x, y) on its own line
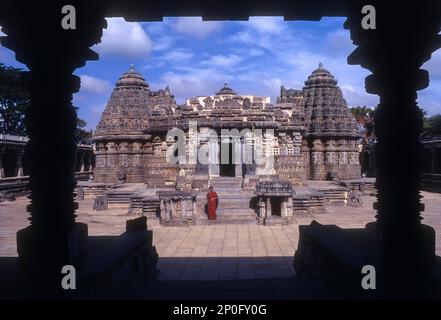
point(52, 54)
point(82, 165)
point(394, 53)
point(435, 160)
point(19, 164)
point(2, 169)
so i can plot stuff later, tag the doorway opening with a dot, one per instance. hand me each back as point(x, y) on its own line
point(276, 206)
point(227, 168)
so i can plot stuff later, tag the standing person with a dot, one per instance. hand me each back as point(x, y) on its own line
point(212, 201)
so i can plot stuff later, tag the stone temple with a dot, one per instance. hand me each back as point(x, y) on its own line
point(265, 160)
point(308, 134)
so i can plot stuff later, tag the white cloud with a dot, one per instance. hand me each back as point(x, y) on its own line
point(98, 109)
point(177, 55)
point(125, 39)
point(266, 24)
point(357, 96)
point(191, 82)
point(434, 65)
point(244, 37)
point(195, 26)
point(223, 60)
point(163, 43)
point(339, 43)
point(253, 52)
point(94, 85)
point(430, 98)
point(430, 104)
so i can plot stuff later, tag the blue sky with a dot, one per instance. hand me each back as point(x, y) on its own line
point(256, 57)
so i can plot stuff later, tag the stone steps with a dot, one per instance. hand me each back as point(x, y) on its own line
point(234, 219)
point(334, 196)
point(235, 212)
point(307, 204)
point(220, 183)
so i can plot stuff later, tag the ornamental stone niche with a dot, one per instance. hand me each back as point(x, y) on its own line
point(275, 204)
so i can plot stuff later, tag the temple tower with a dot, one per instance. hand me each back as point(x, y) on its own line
point(119, 137)
point(331, 131)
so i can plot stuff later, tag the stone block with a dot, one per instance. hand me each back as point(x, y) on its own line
point(138, 224)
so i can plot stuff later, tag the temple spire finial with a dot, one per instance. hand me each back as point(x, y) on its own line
point(320, 65)
point(132, 67)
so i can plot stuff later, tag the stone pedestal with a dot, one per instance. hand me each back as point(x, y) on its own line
point(177, 208)
point(35, 261)
point(329, 253)
point(277, 191)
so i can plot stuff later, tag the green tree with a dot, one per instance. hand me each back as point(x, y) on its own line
point(82, 135)
point(432, 125)
point(14, 100)
point(365, 117)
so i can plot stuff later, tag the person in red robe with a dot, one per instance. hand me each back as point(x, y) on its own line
point(212, 201)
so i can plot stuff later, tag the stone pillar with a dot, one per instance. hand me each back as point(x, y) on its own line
point(162, 209)
point(51, 54)
point(213, 166)
point(268, 207)
point(433, 160)
point(284, 212)
point(172, 209)
point(82, 165)
point(394, 53)
point(2, 169)
point(262, 209)
point(289, 207)
point(237, 156)
point(193, 206)
point(19, 164)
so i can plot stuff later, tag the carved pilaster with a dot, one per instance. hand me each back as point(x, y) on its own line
point(394, 53)
point(32, 31)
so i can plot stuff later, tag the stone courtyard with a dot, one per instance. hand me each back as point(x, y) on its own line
point(219, 251)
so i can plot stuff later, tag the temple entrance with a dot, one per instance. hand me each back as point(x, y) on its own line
point(226, 166)
point(276, 206)
point(10, 163)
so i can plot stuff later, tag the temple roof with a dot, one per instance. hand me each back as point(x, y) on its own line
point(321, 76)
point(326, 110)
point(225, 90)
point(125, 112)
point(132, 78)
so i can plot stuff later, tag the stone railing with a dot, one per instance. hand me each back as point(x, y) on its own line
point(83, 176)
point(10, 137)
point(19, 185)
point(431, 139)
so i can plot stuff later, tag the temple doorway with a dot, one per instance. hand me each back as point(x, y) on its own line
point(276, 206)
point(227, 168)
point(9, 163)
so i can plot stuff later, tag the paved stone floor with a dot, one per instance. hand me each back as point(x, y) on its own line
point(218, 251)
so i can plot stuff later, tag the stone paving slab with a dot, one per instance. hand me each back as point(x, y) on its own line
point(214, 251)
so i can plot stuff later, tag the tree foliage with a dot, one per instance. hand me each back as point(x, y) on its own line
point(14, 100)
point(82, 135)
point(365, 118)
point(432, 125)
